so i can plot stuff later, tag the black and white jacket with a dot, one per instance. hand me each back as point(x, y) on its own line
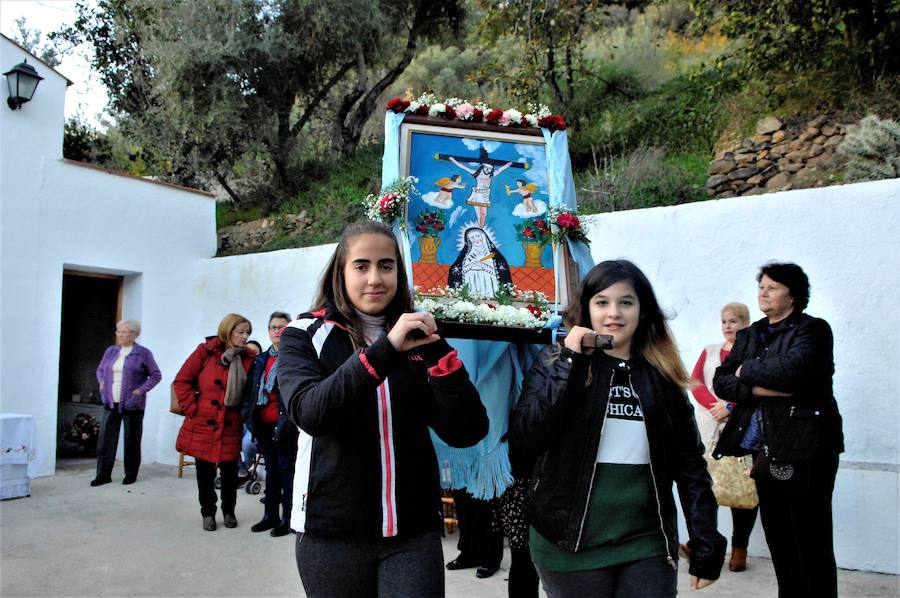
point(366, 466)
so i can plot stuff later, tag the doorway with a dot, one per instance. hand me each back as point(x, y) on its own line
point(91, 306)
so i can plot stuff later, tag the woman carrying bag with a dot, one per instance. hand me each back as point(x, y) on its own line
point(209, 387)
point(730, 484)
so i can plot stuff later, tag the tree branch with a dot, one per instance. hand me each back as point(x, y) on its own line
point(317, 99)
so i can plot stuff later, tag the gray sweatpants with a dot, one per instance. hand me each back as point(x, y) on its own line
point(384, 567)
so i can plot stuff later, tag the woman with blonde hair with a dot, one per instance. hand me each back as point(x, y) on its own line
point(209, 387)
point(712, 413)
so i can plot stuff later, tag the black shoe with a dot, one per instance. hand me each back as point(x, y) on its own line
point(230, 520)
point(264, 524)
point(484, 572)
point(460, 563)
point(209, 523)
point(100, 481)
point(282, 529)
point(129, 480)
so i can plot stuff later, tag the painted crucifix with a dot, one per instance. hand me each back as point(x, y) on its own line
point(485, 170)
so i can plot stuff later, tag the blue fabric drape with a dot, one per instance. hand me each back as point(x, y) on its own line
point(484, 469)
point(562, 190)
point(390, 172)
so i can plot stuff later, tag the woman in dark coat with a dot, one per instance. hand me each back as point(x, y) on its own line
point(779, 375)
point(209, 387)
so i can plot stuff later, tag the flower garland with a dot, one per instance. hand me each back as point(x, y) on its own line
point(509, 307)
point(565, 223)
point(430, 223)
point(538, 115)
point(391, 204)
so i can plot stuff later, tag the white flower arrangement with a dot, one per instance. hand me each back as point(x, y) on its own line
point(437, 109)
point(510, 308)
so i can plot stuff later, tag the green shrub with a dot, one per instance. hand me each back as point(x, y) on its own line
point(227, 214)
point(871, 149)
point(643, 178)
point(685, 113)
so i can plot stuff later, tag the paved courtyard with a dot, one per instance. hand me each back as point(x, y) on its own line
point(69, 539)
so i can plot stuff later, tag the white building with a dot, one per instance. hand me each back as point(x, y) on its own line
point(82, 247)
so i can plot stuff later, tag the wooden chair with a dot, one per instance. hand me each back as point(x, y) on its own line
point(449, 505)
point(182, 463)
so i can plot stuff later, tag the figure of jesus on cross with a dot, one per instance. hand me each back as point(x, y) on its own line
point(483, 173)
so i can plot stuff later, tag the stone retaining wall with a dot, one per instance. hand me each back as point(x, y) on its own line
point(777, 157)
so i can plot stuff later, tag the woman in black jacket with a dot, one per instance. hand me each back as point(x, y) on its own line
point(779, 375)
point(365, 378)
point(276, 437)
point(613, 431)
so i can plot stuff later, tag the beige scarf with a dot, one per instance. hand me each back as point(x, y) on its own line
point(237, 377)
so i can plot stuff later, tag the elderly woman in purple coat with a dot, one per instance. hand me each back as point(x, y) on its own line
point(126, 374)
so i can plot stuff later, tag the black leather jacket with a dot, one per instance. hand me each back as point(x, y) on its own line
point(796, 358)
point(284, 429)
point(560, 419)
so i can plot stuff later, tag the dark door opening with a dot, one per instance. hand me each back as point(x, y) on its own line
point(91, 306)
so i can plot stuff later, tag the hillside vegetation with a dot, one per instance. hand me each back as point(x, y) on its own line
point(652, 91)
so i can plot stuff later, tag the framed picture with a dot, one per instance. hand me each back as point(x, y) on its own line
point(479, 220)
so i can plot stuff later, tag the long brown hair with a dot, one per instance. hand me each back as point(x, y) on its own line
point(333, 288)
point(652, 339)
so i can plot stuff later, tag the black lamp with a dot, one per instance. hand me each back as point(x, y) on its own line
point(22, 80)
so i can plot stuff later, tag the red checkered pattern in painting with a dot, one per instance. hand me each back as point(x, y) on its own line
point(429, 276)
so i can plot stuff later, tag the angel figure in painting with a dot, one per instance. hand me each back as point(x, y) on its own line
point(480, 265)
point(444, 198)
point(525, 190)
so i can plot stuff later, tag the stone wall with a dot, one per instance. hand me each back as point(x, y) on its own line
point(777, 157)
point(245, 237)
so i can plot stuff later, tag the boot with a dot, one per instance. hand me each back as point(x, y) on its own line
point(738, 560)
point(209, 523)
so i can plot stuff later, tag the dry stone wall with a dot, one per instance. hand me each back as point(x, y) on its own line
point(777, 158)
point(244, 237)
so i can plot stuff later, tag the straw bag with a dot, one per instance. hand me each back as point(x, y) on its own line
point(732, 483)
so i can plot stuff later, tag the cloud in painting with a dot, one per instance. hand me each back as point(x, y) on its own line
point(537, 160)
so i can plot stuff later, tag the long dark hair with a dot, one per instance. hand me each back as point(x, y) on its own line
point(652, 339)
point(333, 290)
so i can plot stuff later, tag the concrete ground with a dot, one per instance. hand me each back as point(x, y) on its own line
point(69, 539)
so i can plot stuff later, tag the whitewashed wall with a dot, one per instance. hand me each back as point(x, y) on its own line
point(57, 215)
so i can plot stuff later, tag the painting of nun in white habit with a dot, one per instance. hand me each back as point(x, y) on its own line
point(479, 265)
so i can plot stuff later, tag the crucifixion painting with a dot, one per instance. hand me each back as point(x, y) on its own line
point(483, 169)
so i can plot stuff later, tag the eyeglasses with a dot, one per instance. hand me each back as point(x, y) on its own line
point(276, 328)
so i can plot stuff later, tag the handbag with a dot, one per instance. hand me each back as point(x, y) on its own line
point(174, 407)
point(732, 483)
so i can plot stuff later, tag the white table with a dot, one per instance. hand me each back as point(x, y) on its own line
point(16, 455)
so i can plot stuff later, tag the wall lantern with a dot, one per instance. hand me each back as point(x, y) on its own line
point(22, 80)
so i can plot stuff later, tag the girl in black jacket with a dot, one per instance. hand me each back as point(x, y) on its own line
point(613, 430)
point(365, 378)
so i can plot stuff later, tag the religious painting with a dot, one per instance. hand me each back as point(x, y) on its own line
point(479, 219)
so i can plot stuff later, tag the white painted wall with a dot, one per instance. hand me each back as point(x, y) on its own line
point(56, 215)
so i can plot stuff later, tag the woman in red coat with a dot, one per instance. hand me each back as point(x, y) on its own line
point(209, 387)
